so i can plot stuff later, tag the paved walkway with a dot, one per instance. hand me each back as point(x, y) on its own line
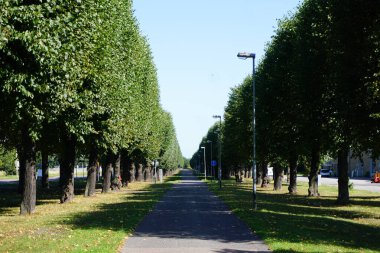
point(190, 218)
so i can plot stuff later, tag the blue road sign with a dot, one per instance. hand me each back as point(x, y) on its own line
point(213, 163)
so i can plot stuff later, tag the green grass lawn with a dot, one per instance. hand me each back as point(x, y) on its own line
point(96, 224)
point(296, 223)
point(8, 177)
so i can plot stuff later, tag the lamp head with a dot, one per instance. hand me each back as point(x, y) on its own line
point(245, 55)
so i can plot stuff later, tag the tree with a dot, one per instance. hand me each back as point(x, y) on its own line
point(238, 127)
point(81, 74)
point(353, 76)
point(312, 29)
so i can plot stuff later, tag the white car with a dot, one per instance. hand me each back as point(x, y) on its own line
point(326, 172)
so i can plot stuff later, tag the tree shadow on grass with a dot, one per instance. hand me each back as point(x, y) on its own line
point(10, 198)
point(313, 230)
point(296, 219)
point(365, 201)
point(298, 204)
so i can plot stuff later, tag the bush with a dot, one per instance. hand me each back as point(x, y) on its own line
point(7, 161)
point(350, 184)
point(302, 168)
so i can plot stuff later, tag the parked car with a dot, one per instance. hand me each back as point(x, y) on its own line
point(326, 172)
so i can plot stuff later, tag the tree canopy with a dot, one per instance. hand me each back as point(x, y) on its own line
point(78, 77)
point(317, 93)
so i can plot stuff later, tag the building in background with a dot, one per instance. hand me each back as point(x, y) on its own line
point(364, 166)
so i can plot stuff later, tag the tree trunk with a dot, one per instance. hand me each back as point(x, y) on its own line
point(151, 171)
point(21, 172)
point(124, 169)
point(116, 182)
point(67, 170)
point(147, 174)
point(226, 173)
point(97, 172)
point(241, 175)
point(343, 193)
point(278, 176)
point(292, 174)
point(107, 174)
point(139, 172)
point(313, 176)
point(287, 173)
point(28, 203)
point(45, 169)
point(265, 178)
point(132, 171)
point(236, 174)
point(259, 172)
point(92, 172)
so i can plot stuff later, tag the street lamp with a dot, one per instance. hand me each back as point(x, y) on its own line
point(245, 56)
point(211, 167)
point(219, 150)
point(204, 159)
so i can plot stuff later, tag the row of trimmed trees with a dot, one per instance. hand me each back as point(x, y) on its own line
point(317, 91)
point(77, 77)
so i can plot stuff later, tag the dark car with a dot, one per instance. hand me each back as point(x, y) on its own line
point(326, 172)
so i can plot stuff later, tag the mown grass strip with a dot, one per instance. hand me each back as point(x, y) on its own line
point(96, 224)
point(297, 223)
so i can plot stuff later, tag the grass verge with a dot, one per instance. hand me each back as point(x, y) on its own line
point(96, 224)
point(297, 223)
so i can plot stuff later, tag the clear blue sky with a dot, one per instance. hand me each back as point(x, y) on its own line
point(194, 45)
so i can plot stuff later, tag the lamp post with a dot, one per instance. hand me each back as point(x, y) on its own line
point(211, 167)
point(199, 163)
point(219, 150)
point(204, 159)
point(245, 56)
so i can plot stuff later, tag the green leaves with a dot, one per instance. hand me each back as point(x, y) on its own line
point(84, 67)
point(317, 87)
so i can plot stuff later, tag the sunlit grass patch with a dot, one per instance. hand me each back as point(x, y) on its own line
point(297, 223)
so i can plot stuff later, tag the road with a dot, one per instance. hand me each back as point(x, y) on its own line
point(190, 218)
point(359, 184)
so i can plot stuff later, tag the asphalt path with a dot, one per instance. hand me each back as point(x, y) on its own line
point(190, 218)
